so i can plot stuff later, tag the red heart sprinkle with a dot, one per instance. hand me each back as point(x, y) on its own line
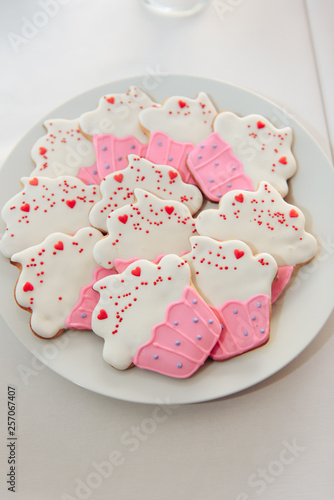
point(27, 287)
point(260, 124)
point(136, 271)
point(182, 104)
point(118, 177)
point(172, 174)
point(123, 218)
point(293, 213)
point(238, 253)
point(111, 100)
point(169, 210)
point(25, 207)
point(283, 160)
point(42, 151)
point(70, 203)
point(102, 314)
point(59, 245)
point(33, 182)
point(239, 197)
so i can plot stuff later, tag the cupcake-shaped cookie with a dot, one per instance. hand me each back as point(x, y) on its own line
point(63, 150)
point(237, 286)
point(150, 316)
point(53, 275)
point(165, 182)
point(44, 206)
point(147, 229)
point(264, 150)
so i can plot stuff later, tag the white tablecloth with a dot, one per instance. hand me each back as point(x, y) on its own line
point(274, 441)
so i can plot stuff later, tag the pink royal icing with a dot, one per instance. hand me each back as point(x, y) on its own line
point(216, 169)
point(282, 279)
point(89, 175)
point(180, 345)
point(80, 317)
point(245, 326)
point(112, 152)
point(165, 151)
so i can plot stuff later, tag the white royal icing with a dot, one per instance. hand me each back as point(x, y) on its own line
point(133, 302)
point(222, 271)
point(45, 205)
point(63, 150)
point(264, 221)
point(264, 150)
point(52, 276)
point(182, 118)
point(146, 229)
point(165, 182)
point(117, 114)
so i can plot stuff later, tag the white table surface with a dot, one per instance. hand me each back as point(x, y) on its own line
point(271, 442)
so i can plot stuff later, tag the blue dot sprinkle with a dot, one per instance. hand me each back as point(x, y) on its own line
point(119, 158)
point(219, 195)
point(83, 315)
point(195, 320)
point(94, 172)
point(253, 318)
point(222, 327)
point(155, 356)
point(229, 185)
point(176, 323)
point(262, 331)
point(159, 143)
point(245, 333)
point(214, 145)
point(216, 163)
point(132, 146)
point(202, 146)
point(258, 304)
point(199, 157)
point(199, 337)
point(233, 168)
point(104, 148)
point(235, 311)
point(107, 167)
point(210, 321)
point(194, 301)
point(177, 342)
point(179, 365)
point(170, 158)
point(211, 180)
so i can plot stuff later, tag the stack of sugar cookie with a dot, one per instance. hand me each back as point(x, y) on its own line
point(160, 227)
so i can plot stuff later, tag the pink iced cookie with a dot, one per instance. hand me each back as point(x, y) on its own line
point(264, 150)
point(89, 175)
point(264, 221)
point(146, 229)
point(117, 114)
point(164, 151)
point(181, 118)
point(112, 152)
point(230, 278)
point(80, 318)
point(117, 189)
point(282, 279)
point(216, 169)
point(63, 150)
point(176, 330)
point(45, 205)
point(53, 273)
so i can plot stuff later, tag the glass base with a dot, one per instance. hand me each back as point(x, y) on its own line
point(175, 8)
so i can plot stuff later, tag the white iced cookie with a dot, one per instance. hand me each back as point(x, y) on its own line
point(264, 221)
point(146, 229)
point(45, 205)
point(181, 118)
point(117, 189)
point(52, 276)
point(222, 271)
point(117, 114)
point(264, 150)
point(63, 150)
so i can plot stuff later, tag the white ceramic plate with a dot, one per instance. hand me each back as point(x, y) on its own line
point(297, 316)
